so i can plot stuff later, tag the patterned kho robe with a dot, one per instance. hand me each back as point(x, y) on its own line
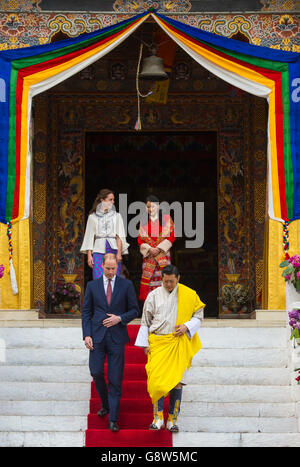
point(154, 235)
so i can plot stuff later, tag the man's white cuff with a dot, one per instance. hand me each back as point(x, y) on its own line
point(142, 337)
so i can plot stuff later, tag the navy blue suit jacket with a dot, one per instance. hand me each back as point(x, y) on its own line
point(95, 308)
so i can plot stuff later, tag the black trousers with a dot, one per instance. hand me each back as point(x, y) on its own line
point(110, 396)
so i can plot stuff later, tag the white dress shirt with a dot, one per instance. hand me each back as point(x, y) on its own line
point(105, 283)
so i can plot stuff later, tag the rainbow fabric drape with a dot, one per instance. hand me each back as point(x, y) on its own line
point(273, 74)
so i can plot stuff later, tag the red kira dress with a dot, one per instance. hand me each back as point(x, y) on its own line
point(154, 235)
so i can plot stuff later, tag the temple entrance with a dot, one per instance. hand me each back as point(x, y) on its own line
point(206, 143)
point(176, 167)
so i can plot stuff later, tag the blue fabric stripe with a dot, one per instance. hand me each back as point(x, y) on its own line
point(5, 70)
point(232, 44)
point(294, 76)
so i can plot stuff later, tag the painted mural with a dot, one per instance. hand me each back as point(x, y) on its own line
point(23, 23)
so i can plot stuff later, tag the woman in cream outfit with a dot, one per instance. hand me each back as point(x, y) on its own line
point(104, 233)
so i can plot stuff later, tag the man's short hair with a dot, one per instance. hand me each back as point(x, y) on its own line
point(109, 256)
point(170, 269)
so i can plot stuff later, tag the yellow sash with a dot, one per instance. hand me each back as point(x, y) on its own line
point(171, 356)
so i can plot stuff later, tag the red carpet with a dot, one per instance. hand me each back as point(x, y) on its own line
point(136, 408)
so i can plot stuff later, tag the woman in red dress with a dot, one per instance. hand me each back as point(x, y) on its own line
point(156, 237)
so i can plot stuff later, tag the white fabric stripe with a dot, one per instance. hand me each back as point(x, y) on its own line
point(27, 200)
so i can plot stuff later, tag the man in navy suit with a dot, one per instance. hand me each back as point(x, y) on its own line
point(110, 303)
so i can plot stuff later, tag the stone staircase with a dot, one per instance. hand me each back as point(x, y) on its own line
point(240, 392)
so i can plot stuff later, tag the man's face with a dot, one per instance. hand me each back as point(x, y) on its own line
point(170, 281)
point(110, 268)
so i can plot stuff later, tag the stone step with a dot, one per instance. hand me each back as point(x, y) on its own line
point(206, 357)
point(45, 407)
point(271, 315)
point(43, 439)
point(239, 409)
point(188, 409)
point(243, 357)
point(238, 393)
point(190, 424)
point(188, 439)
point(43, 423)
point(211, 337)
point(19, 391)
point(238, 376)
point(196, 375)
point(39, 356)
point(182, 439)
point(239, 424)
point(19, 315)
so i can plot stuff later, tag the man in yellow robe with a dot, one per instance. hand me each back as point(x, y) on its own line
point(172, 314)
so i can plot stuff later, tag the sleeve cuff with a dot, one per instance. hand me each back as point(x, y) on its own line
point(142, 337)
point(165, 245)
point(193, 325)
point(144, 249)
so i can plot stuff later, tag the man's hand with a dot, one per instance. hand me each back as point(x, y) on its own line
point(180, 330)
point(146, 350)
point(112, 320)
point(89, 343)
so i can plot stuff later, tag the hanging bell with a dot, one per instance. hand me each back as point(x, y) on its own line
point(153, 69)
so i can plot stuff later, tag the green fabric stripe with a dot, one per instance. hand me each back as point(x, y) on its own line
point(11, 169)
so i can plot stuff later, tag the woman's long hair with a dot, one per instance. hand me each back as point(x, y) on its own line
point(103, 194)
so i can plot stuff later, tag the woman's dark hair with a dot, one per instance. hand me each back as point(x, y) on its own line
point(103, 194)
point(152, 199)
point(170, 269)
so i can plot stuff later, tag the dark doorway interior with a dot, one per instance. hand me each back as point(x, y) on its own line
point(175, 167)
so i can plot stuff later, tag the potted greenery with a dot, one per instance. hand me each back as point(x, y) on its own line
point(65, 294)
point(235, 298)
point(294, 322)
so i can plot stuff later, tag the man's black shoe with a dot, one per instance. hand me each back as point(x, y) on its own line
point(113, 426)
point(102, 412)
